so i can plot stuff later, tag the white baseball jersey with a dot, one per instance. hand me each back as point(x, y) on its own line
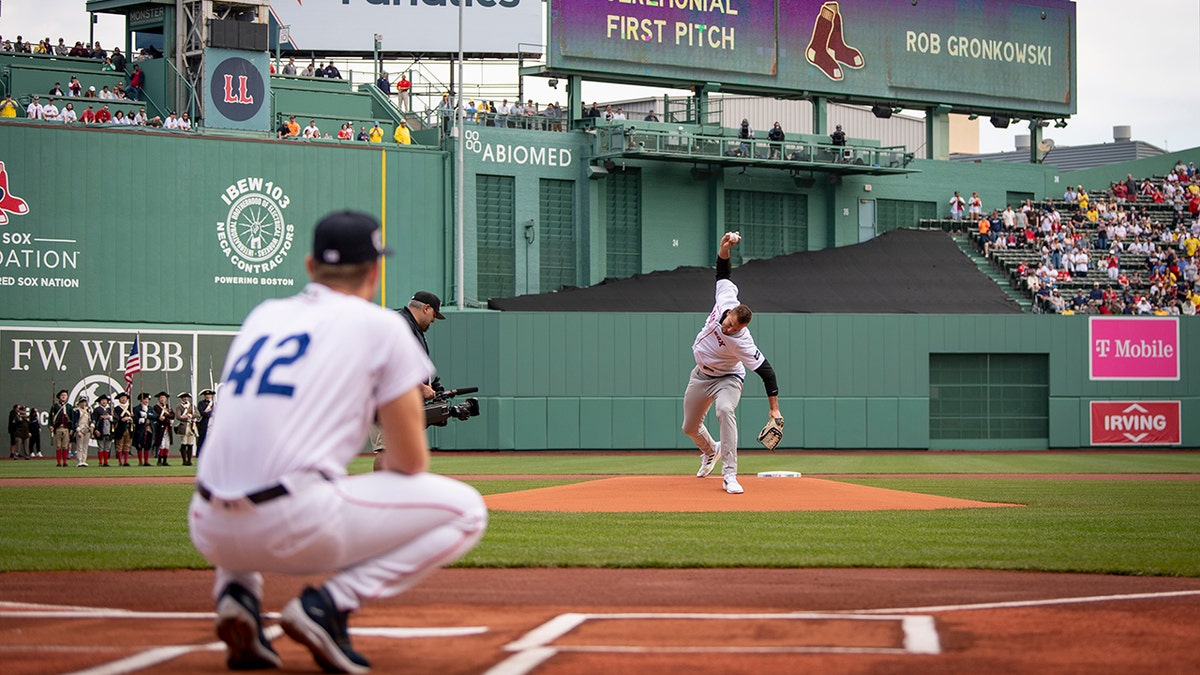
point(301, 385)
point(717, 353)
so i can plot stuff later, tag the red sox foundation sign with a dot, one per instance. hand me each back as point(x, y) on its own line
point(1135, 423)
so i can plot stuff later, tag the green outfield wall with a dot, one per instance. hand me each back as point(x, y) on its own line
point(588, 381)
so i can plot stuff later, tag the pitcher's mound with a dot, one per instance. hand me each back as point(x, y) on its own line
point(686, 493)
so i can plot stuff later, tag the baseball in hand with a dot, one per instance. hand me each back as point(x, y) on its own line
point(734, 237)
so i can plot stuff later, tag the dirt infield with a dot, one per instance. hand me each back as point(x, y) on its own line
point(636, 494)
point(579, 620)
point(568, 621)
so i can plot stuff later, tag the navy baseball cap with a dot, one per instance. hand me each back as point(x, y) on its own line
point(348, 238)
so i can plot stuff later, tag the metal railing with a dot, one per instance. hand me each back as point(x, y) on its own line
point(624, 139)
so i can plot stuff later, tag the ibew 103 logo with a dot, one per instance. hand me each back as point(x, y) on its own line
point(255, 236)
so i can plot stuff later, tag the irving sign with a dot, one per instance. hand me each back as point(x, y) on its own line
point(1135, 423)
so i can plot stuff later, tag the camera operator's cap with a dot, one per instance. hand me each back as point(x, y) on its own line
point(431, 300)
point(348, 238)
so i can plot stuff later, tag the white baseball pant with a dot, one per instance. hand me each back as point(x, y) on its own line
point(383, 532)
point(702, 392)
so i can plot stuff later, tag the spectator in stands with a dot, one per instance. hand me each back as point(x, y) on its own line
point(56, 90)
point(172, 121)
point(838, 137)
point(9, 107)
point(68, 115)
point(118, 91)
point(362, 134)
point(375, 135)
point(61, 49)
point(1070, 196)
point(958, 206)
point(79, 51)
point(975, 207)
point(34, 110)
point(108, 66)
point(293, 127)
point(103, 115)
point(445, 110)
point(106, 93)
point(137, 81)
point(88, 116)
point(290, 67)
point(50, 111)
point(516, 114)
point(384, 83)
point(745, 135)
point(91, 92)
point(310, 70)
point(119, 118)
point(185, 122)
point(117, 59)
point(403, 89)
point(21, 46)
point(619, 115)
point(74, 88)
point(43, 47)
point(346, 133)
point(332, 72)
point(593, 112)
point(311, 131)
point(650, 116)
point(776, 136)
point(554, 114)
point(469, 112)
point(402, 135)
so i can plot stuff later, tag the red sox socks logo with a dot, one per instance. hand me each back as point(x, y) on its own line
point(828, 48)
point(9, 203)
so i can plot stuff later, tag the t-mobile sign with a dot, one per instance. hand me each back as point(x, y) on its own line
point(1133, 349)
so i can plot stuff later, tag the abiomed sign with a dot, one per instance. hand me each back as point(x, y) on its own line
point(1135, 423)
point(1144, 348)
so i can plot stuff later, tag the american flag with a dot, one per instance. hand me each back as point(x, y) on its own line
point(133, 364)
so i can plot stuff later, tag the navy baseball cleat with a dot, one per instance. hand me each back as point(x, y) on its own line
point(239, 625)
point(315, 622)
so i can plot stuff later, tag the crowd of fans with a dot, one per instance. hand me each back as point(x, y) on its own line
point(1145, 253)
point(515, 115)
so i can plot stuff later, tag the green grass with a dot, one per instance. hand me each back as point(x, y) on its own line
point(1125, 527)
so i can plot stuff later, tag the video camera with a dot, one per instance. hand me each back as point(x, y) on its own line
point(438, 409)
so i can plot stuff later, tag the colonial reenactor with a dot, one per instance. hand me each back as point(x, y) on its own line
point(161, 417)
point(83, 431)
point(143, 429)
point(185, 426)
point(103, 425)
point(62, 421)
point(204, 409)
point(123, 434)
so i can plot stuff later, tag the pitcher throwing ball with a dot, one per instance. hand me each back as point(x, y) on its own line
point(303, 379)
point(723, 350)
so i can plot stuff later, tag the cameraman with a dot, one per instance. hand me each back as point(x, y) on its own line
point(422, 310)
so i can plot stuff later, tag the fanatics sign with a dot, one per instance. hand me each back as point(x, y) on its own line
point(1133, 349)
point(1135, 423)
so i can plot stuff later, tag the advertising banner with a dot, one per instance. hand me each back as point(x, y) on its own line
point(237, 96)
point(425, 26)
point(1143, 348)
point(35, 363)
point(979, 54)
point(1136, 423)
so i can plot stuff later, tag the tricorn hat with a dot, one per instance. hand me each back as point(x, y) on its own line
point(207, 392)
point(183, 394)
point(162, 393)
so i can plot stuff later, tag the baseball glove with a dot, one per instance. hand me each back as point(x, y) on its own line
point(772, 433)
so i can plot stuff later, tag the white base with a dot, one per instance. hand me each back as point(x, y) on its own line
point(778, 474)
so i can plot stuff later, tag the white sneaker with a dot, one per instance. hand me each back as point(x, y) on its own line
point(732, 486)
point(707, 462)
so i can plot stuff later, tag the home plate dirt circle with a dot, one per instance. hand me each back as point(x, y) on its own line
point(638, 494)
